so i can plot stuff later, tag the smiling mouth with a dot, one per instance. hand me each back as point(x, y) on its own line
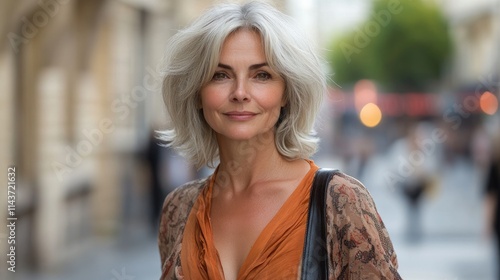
point(240, 115)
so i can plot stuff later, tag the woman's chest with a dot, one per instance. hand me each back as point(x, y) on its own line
point(237, 225)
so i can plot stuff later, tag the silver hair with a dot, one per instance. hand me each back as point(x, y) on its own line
point(192, 56)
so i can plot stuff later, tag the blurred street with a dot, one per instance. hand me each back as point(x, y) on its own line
point(452, 246)
point(132, 257)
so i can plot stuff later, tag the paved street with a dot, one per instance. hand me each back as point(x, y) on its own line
point(134, 259)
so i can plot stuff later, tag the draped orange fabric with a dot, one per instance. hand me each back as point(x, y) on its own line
point(276, 253)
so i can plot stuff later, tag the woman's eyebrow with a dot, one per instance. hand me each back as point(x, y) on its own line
point(257, 66)
point(252, 67)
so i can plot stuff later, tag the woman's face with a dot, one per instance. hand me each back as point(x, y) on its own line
point(244, 97)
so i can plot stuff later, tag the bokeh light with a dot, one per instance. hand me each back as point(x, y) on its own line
point(370, 115)
point(489, 103)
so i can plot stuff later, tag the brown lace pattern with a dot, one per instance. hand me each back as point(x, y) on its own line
point(359, 246)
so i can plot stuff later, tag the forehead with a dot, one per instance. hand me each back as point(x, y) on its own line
point(243, 43)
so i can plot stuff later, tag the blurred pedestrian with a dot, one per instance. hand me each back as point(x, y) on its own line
point(153, 156)
point(492, 201)
point(242, 88)
point(415, 159)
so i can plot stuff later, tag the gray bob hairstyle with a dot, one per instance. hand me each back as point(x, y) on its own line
point(192, 56)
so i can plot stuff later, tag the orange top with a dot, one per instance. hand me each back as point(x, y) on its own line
point(277, 252)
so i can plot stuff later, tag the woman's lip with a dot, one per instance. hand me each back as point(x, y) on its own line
point(240, 115)
point(244, 113)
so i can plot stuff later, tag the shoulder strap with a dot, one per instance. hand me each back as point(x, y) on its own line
point(315, 255)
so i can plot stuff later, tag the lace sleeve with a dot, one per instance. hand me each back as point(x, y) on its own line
point(358, 242)
point(173, 218)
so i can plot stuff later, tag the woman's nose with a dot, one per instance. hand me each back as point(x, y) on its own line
point(240, 92)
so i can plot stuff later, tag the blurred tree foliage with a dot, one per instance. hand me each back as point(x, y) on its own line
point(404, 45)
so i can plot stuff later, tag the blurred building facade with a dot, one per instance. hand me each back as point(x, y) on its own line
point(75, 96)
point(79, 93)
point(475, 28)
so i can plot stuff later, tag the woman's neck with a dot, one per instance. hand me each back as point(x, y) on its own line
point(244, 164)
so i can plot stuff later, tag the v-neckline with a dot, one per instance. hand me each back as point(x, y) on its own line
point(265, 235)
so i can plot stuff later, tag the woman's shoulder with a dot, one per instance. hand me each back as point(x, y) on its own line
point(342, 183)
point(183, 196)
point(346, 191)
point(179, 202)
point(173, 218)
point(341, 177)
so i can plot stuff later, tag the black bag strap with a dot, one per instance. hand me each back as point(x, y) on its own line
point(315, 256)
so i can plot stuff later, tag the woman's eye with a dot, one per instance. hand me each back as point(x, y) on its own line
point(263, 76)
point(219, 76)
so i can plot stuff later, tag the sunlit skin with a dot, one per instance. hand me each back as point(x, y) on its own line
point(242, 104)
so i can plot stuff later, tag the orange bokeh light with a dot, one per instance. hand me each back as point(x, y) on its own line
point(488, 103)
point(370, 115)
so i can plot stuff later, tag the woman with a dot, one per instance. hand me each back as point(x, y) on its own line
point(242, 87)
